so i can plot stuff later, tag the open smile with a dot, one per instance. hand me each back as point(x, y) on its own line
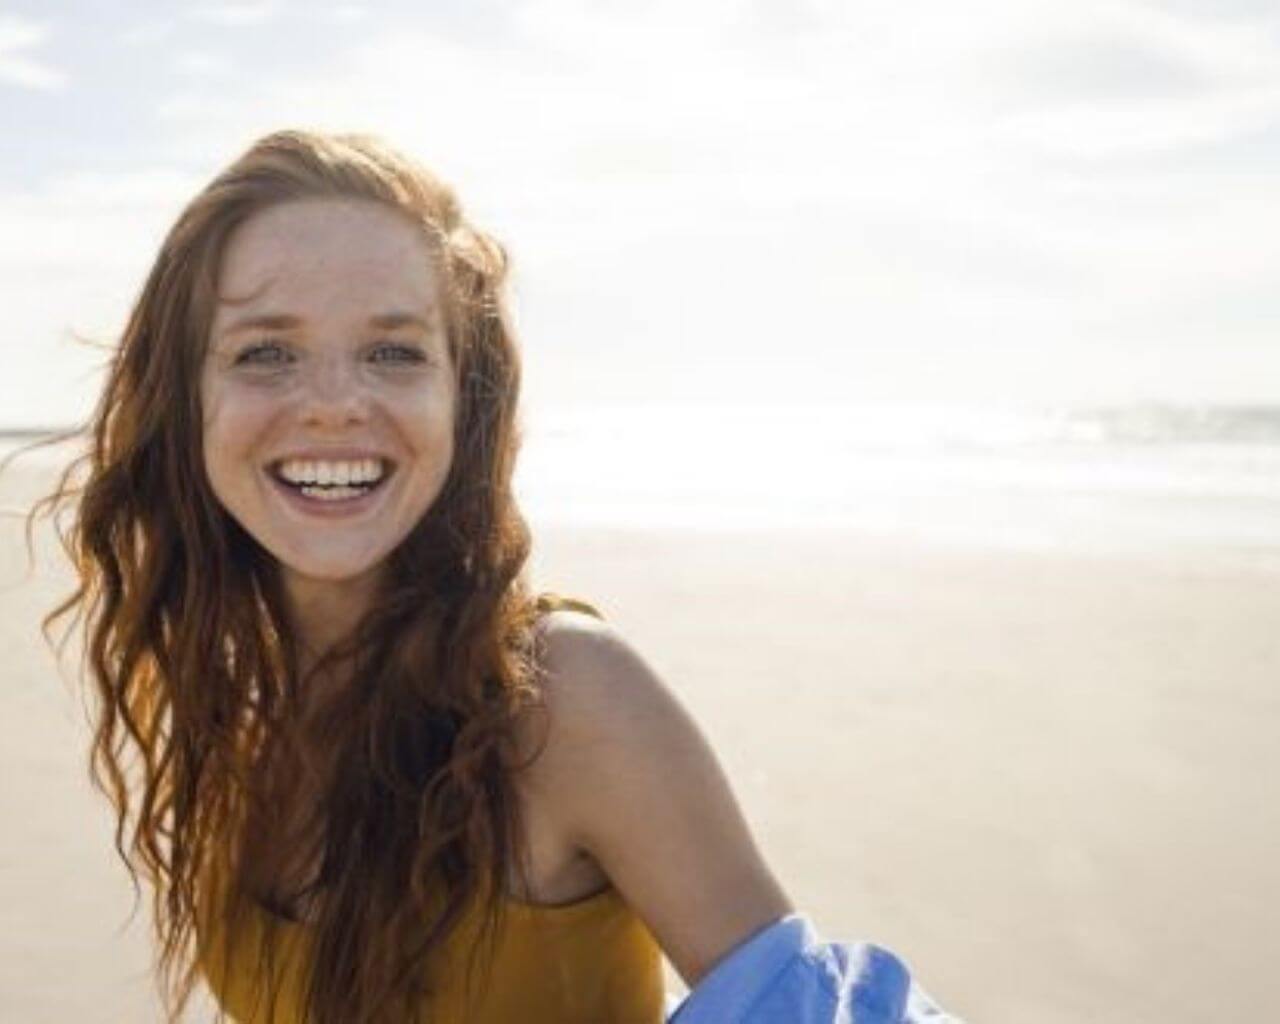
point(329, 500)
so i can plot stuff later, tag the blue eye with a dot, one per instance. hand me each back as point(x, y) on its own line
point(266, 348)
point(401, 354)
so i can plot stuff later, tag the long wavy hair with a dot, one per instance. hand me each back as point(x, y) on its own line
point(192, 657)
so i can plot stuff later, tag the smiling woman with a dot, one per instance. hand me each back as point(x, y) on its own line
point(369, 775)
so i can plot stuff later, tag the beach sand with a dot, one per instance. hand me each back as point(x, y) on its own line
point(1048, 781)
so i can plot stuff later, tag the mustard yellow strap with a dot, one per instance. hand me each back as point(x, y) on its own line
point(550, 601)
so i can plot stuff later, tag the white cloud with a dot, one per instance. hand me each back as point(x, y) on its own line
point(236, 13)
point(640, 121)
point(201, 64)
point(874, 187)
point(1227, 52)
point(346, 14)
point(72, 256)
point(190, 105)
point(1089, 131)
point(19, 68)
point(145, 33)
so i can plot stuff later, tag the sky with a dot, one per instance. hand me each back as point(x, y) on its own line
point(813, 202)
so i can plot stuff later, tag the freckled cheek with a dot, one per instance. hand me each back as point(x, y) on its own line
point(429, 419)
point(233, 425)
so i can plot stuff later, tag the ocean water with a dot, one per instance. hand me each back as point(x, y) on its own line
point(1085, 477)
point(1079, 478)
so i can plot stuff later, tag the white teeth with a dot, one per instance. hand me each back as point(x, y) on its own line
point(333, 493)
point(328, 474)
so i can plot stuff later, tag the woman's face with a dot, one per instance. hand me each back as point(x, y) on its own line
point(327, 390)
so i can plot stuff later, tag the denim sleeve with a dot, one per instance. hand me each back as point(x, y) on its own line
point(787, 974)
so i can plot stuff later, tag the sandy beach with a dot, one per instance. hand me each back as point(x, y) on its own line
point(1046, 780)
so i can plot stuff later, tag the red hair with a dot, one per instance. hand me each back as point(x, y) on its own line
point(190, 653)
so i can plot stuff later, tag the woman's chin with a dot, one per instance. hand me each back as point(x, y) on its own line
point(333, 571)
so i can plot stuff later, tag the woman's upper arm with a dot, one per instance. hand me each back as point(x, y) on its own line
point(637, 786)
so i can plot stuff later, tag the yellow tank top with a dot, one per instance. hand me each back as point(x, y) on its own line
point(588, 962)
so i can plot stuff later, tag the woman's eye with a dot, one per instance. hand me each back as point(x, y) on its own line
point(270, 353)
point(397, 354)
point(265, 353)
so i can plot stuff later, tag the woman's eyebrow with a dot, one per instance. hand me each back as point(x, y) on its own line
point(286, 321)
point(263, 321)
point(390, 321)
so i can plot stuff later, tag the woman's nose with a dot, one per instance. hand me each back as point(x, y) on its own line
point(334, 390)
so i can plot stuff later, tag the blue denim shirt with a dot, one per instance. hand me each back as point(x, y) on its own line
point(787, 974)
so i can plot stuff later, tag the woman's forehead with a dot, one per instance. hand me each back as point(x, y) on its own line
point(318, 257)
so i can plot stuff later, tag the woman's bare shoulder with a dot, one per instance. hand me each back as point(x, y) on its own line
point(634, 783)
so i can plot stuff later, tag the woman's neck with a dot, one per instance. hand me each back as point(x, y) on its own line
point(325, 612)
